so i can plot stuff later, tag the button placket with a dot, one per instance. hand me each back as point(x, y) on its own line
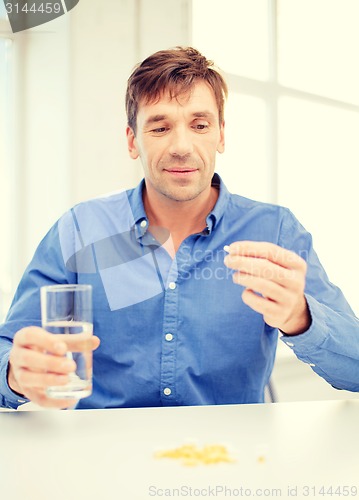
point(169, 352)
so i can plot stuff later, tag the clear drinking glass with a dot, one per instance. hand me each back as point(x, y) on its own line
point(66, 310)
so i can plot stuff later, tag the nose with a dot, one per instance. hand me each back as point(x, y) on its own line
point(181, 142)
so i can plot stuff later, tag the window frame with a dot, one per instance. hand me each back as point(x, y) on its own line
point(16, 152)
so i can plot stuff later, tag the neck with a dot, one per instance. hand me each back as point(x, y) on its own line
point(180, 218)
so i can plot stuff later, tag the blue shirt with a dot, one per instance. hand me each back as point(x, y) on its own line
point(176, 331)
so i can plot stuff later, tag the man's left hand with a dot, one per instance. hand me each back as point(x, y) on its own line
point(274, 281)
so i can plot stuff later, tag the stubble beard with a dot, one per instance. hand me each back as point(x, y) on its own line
point(181, 191)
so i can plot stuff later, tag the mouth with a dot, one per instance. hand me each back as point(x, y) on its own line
point(180, 171)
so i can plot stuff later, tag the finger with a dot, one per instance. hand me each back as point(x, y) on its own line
point(266, 288)
point(61, 404)
point(260, 304)
point(265, 250)
point(262, 268)
point(39, 362)
point(40, 339)
point(33, 380)
point(95, 342)
point(79, 342)
point(40, 397)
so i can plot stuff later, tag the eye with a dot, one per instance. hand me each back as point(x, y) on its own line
point(201, 127)
point(159, 130)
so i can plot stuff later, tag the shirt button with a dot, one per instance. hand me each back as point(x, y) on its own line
point(311, 364)
point(172, 285)
point(143, 223)
point(168, 337)
point(167, 391)
point(290, 344)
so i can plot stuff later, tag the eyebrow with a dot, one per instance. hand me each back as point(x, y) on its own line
point(204, 114)
point(155, 119)
point(158, 118)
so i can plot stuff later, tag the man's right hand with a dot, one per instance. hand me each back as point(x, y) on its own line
point(37, 360)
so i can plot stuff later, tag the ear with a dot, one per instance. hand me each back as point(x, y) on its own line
point(132, 143)
point(220, 147)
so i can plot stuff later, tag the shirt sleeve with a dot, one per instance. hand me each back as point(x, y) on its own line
point(46, 268)
point(331, 344)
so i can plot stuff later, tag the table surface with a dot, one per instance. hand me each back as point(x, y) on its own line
point(307, 448)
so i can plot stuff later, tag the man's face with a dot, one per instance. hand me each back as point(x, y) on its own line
point(177, 140)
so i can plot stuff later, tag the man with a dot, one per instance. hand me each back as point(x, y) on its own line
point(181, 321)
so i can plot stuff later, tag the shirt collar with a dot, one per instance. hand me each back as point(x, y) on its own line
point(141, 220)
point(218, 210)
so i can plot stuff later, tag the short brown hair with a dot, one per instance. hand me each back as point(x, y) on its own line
point(174, 71)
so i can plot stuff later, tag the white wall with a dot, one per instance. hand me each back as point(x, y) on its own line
point(103, 51)
point(72, 120)
point(44, 139)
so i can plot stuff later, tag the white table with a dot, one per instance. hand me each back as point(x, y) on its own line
point(109, 454)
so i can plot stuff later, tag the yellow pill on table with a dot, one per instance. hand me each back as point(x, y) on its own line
point(190, 455)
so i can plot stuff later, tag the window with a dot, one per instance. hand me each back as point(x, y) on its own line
point(6, 179)
point(293, 113)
